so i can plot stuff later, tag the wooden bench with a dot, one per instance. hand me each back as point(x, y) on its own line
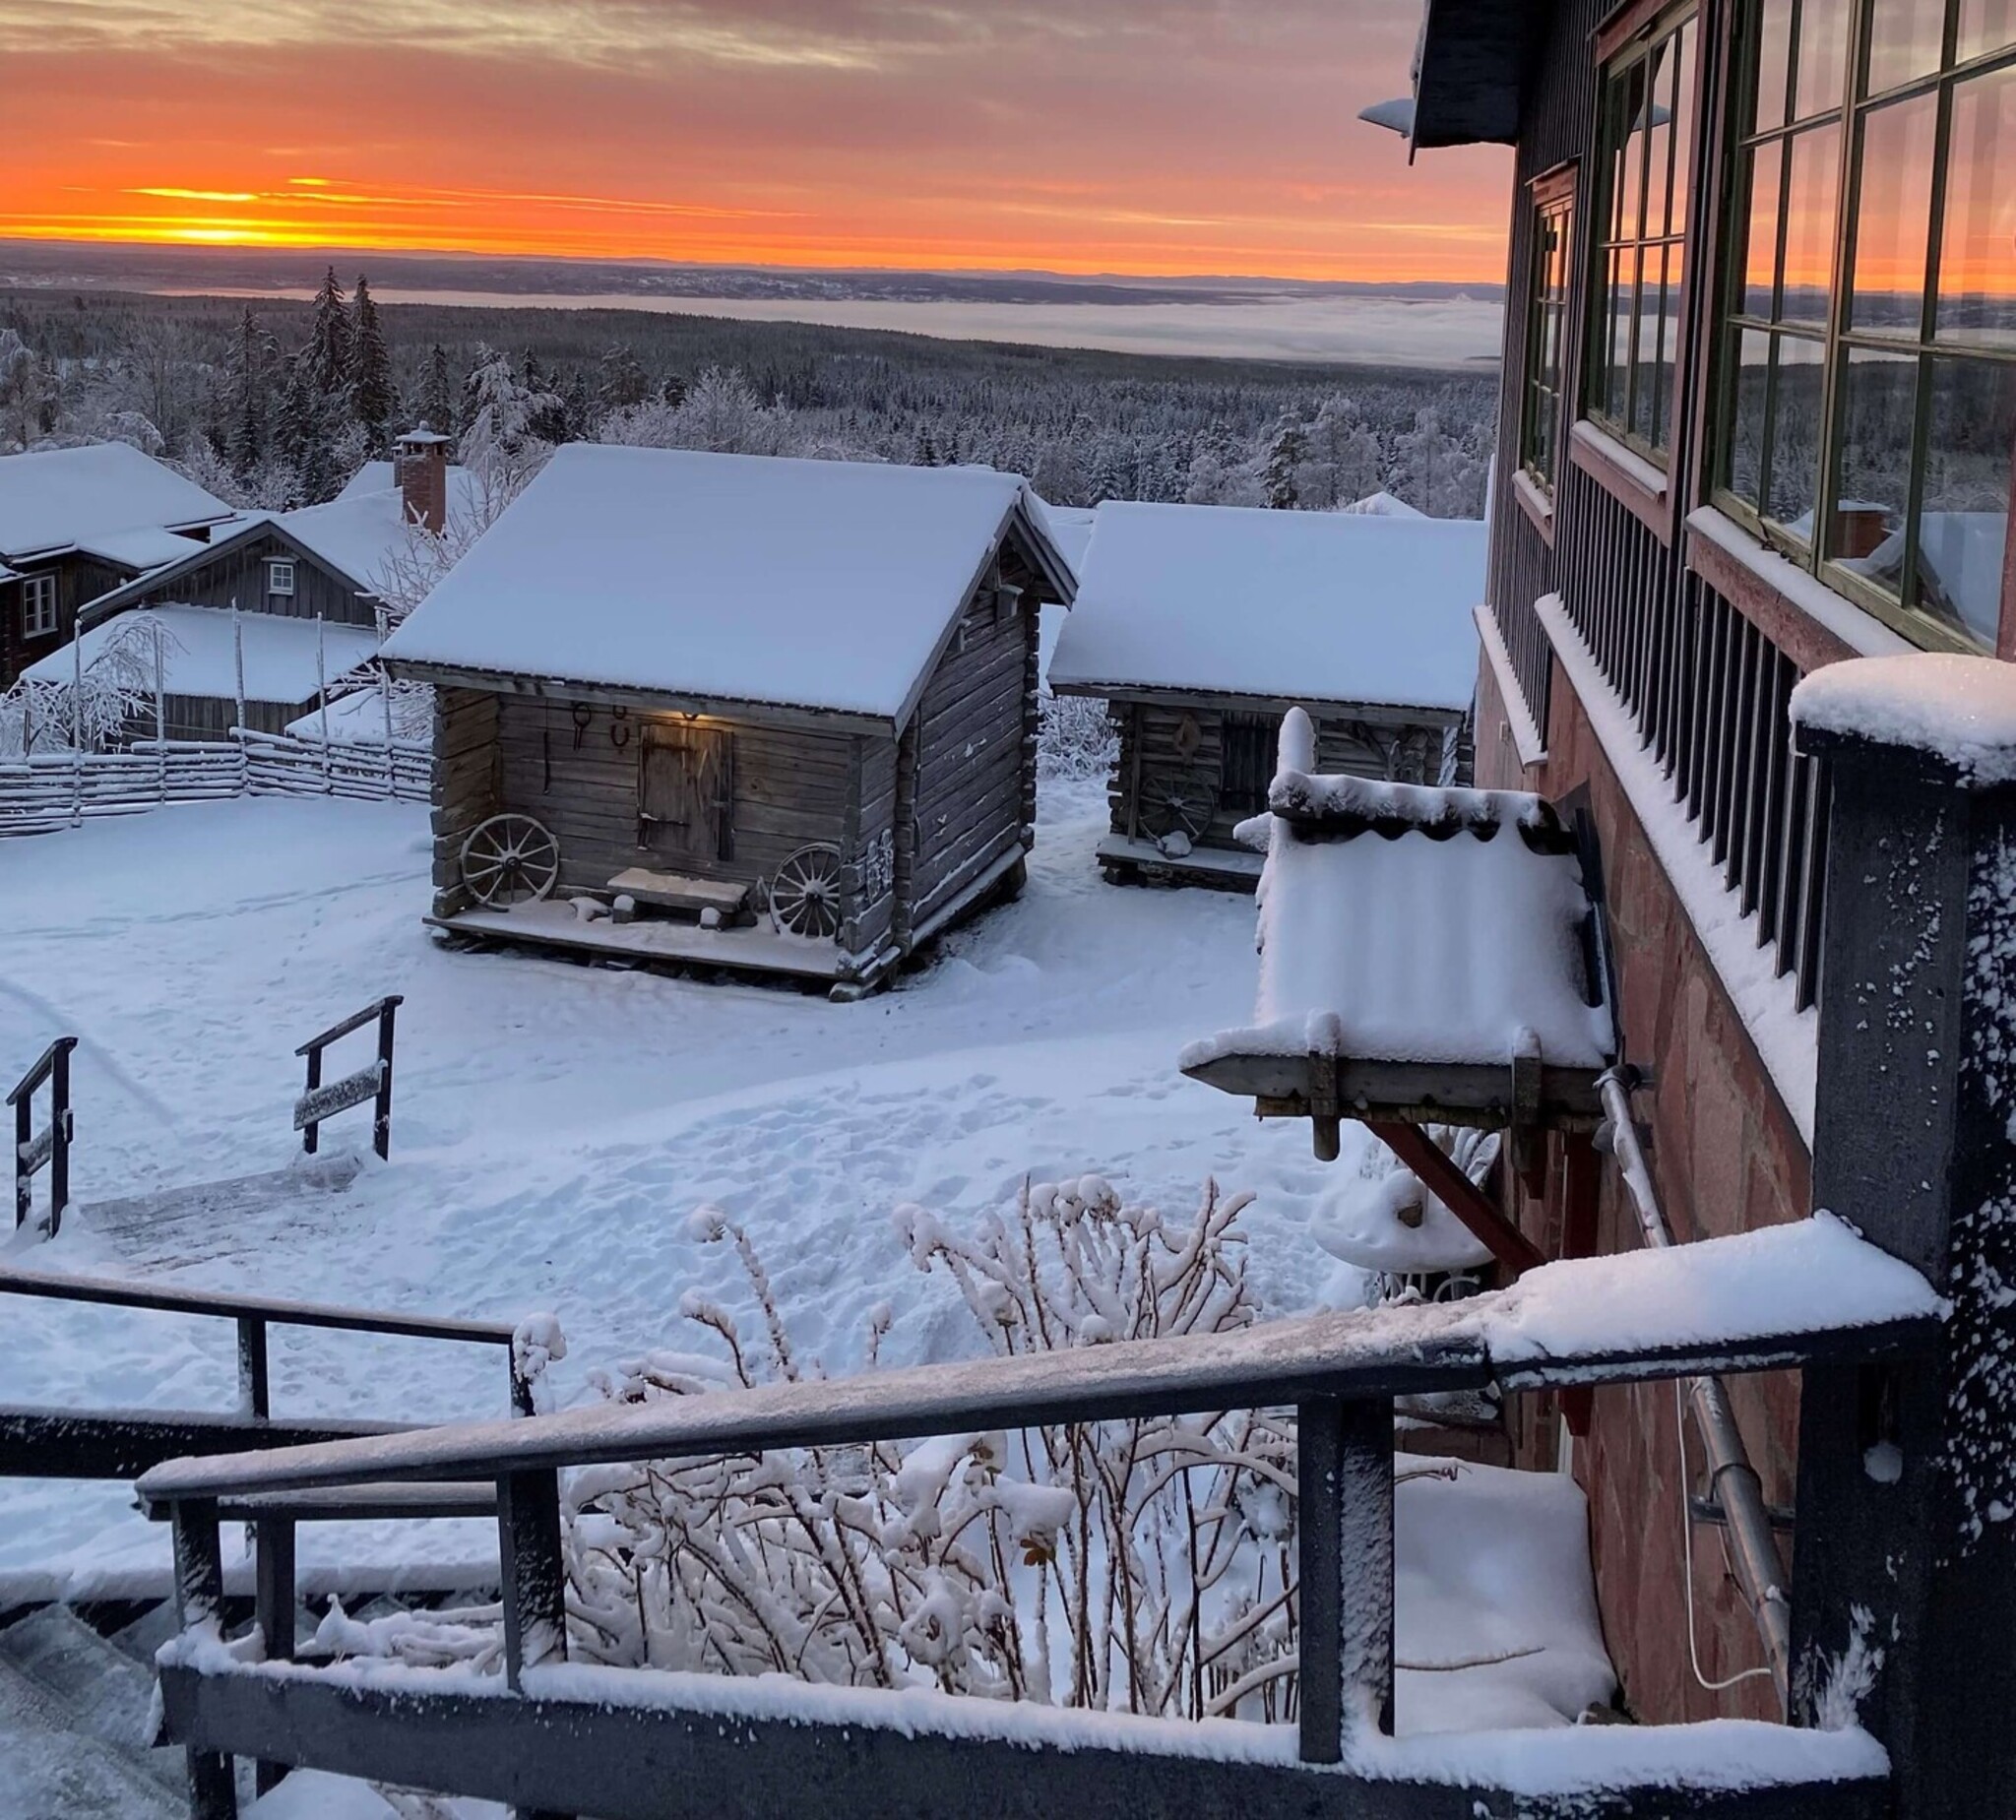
point(675, 891)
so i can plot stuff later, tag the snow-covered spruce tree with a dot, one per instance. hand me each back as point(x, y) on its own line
point(1143, 1566)
point(621, 382)
point(372, 401)
point(27, 394)
point(1286, 454)
point(437, 393)
point(718, 411)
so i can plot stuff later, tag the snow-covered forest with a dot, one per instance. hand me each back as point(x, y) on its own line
point(275, 404)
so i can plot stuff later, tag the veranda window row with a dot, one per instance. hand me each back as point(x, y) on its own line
point(1868, 397)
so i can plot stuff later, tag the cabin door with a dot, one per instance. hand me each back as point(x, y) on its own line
point(685, 791)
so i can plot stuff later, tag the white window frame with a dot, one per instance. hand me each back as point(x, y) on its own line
point(276, 568)
point(40, 613)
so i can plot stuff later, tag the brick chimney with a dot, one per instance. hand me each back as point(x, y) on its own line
point(420, 462)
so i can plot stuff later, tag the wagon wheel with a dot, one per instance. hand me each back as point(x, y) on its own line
point(1172, 803)
point(805, 896)
point(510, 859)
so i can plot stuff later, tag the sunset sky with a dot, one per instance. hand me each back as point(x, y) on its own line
point(1140, 135)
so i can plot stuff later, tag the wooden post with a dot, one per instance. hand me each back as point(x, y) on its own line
point(272, 1544)
point(381, 1122)
point(534, 1573)
point(1905, 1552)
point(1319, 1546)
point(24, 1177)
point(311, 1131)
point(1344, 1565)
point(60, 1133)
point(199, 1602)
point(252, 1392)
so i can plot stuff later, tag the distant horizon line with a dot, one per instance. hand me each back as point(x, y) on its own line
point(339, 253)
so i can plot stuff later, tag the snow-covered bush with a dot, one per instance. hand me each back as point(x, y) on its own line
point(92, 712)
point(1074, 738)
point(1143, 1565)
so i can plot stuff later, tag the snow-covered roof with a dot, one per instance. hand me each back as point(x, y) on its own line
point(1310, 606)
point(1382, 504)
point(362, 528)
point(145, 546)
point(60, 499)
point(733, 578)
point(1402, 923)
point(359, 719)
point(1070, 528)
point(199, 655)
point(463, 488)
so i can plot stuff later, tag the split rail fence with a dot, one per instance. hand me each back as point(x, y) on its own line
point(64, 790)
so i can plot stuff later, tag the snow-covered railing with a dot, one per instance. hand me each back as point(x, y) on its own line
point(48, 1148)
point(1741, 1303)
point(320, 1100)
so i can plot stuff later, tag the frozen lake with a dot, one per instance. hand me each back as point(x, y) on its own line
point(1395, 331)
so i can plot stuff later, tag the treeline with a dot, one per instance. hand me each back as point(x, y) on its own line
point(275, 404)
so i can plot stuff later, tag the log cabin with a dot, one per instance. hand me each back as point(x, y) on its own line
point(75, 523)
point(767, 716)
point(1201, 625)
point(259, 626)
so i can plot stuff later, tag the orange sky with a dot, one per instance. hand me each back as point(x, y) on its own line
point(1141, 136)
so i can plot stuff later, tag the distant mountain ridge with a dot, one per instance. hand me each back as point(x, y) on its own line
point(91, 265)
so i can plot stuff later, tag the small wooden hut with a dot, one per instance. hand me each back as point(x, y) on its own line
point(736, 711)
point(1202, 625)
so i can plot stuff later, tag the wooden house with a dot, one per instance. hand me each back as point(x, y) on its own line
point(1202, 625)
point(1758, 420)
point(757, 714)
point(255, 627)
point(75, 523)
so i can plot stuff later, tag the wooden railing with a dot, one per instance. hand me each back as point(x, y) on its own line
point(319, 1102)
point(84, 1442)
point(1341, 1371)
point(49, 1147)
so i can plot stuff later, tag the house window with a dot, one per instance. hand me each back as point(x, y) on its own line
point(1644, 164)
point(1867, 343)
point(39, 606)
point(1247, 744)
point(280, 578)
point(1547, 317)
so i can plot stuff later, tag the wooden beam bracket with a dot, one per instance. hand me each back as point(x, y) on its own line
point(1456, 1191)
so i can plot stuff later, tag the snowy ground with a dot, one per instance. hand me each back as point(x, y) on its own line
point(556, 1124)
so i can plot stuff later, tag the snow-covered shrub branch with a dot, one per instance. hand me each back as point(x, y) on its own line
point(1143, 1565)
point(1075, 738)
point(90, 712)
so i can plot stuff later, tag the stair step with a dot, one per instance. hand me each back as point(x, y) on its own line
point(104, 1693)
point(55, 1773)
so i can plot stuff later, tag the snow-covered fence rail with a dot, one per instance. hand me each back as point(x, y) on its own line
point(48, 1148)
point(60, 790)
point(276, 765)
point(568, 1739)
point(320, 1100)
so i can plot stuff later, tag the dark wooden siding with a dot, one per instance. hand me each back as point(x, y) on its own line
point(791, 788)
point(467, 786)
point(1559, 126)
point(79, 579)
point(238, 575)
point(972, 759)
point(1367, 742)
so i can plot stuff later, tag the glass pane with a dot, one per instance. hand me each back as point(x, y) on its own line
point(1663, 349)
point(1617, 334)
point(1628, 126)
point(1823, 54)
point(1743, 459)
point(1794, 467)
point(1773, 43)
point(1872, 492)
point(1893, 217)
point(1682, 91)
point(1984, 26)
point(1906, 38)
point(1658, 133)
point(1760, 252)
point(1811, 186)
point(1978, 255)
point(1646, 406)
point(1963, 525)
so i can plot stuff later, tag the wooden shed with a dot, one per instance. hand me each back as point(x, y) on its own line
point(1202, 625)
point(736, 711)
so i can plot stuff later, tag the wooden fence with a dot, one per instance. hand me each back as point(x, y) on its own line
point(63, 790)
